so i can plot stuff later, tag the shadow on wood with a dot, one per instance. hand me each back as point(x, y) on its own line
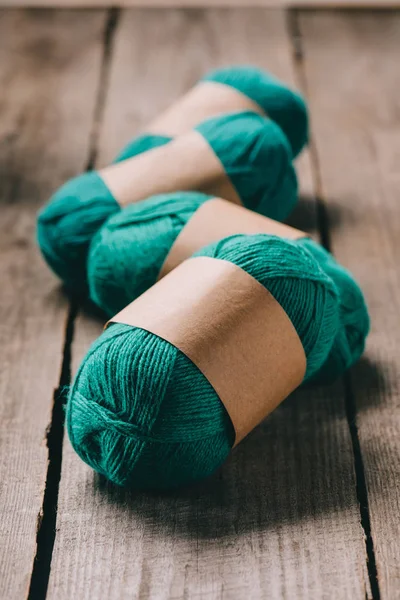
point(304, 216)
point(373, 379)
point(263, 485)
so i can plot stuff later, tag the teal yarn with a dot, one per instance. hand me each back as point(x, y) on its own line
point(256, 157)
point(141, 144)
point(284, 106)
point(127, 254)
point(257, 160)
point(66, 226)
point(349, 343)
point(281, 104)
point(253, 151)
point(143, 415)
point(77, 210)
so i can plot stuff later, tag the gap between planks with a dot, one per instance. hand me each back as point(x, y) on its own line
point(46, 528)
point(69, 575)
point(325, 239)
point(288, 4)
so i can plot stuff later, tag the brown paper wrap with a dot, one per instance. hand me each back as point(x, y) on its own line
point(206, 99)
point(186, 163)
point(215, 220)
point(232, 329)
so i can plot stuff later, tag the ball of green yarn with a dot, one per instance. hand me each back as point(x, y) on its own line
point(142, 414)
point(284, 106)
point(67, 224)
point(257, 159)
point(253, 151)
point(126, 255)
point(128, 252)
point(349, 343)
point(73, 215)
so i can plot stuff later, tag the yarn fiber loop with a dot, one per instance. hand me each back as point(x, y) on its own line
point(178, 430)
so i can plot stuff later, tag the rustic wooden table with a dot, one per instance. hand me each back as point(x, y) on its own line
point(308, 506)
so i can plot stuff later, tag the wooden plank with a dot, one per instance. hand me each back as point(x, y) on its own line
point(353, 79)
point(359, 4)
point(190, 43)
point(45, 114)
point(281, 519)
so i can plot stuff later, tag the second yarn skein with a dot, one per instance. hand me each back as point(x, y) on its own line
point(144, 415)
point(128, 252)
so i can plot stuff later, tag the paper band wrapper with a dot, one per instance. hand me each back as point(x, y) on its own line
point(232, 329)
point(215, 220)
point(206, 99)
point(187, 164)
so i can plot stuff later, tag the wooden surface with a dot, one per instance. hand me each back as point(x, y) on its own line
point(308, 506)
point(47, 82)
point(273, 522)
point(360, 4)
point(357, 133)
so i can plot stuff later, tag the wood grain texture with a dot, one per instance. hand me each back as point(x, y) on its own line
point(360, 4)
point(145, 78)
point(281, 519)
point(357, 131)
point(44, 123)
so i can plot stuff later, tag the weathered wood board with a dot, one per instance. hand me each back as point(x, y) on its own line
point(281, 520)
point(360, 4)
point(353, 77)
point(48, 81)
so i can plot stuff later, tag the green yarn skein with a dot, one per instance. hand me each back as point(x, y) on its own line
point(281, 104)
point(142, 414)
point(284, 106)
point(128, 252)
point(349, 343)
point(253, 151)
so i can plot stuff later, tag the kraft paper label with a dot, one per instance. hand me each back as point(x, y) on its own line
point(217, 219)
point(232, 329)
point(206, 99)
point(186, 163)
